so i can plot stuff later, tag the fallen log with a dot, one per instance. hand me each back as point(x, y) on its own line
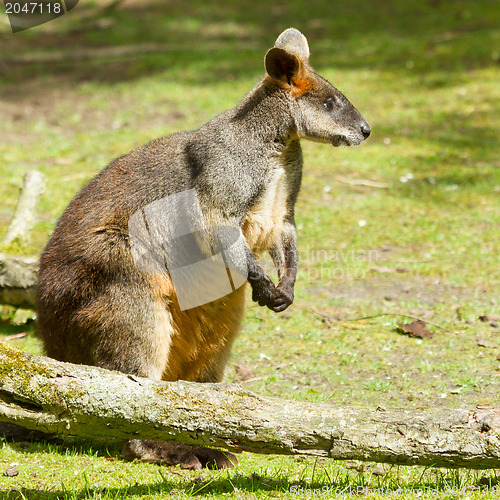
point(18, 277)
point(25, 215)
point(76, 400)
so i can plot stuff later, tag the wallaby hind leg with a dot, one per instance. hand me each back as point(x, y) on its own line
point(127, 328)
point(199, 346)
point(154, 354)
point(186, 455)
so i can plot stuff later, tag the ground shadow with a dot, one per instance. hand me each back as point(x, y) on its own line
point(142, 38)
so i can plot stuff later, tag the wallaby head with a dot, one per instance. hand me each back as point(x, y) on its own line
point(321, 113)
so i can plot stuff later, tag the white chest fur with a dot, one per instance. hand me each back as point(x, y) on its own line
point(263, 224)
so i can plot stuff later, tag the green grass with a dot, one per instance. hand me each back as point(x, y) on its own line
point(80, 470)
point(425, 75)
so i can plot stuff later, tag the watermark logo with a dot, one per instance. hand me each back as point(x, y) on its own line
point(24, 15)
point(337, 264)
point(386, 492)
point(204, 263)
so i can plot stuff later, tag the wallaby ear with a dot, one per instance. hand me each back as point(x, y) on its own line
point(282, 65)
point(292, 40)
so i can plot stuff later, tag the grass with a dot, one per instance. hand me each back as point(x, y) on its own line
point(81, 471)
point(425, 75)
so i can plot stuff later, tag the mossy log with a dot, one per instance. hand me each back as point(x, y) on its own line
point(76, 400)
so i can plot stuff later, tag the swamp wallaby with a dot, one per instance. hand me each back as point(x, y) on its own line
point(98, 305)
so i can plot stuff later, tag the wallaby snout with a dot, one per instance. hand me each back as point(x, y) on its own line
point(349, 127)
point(326, 115)
point(366, 130)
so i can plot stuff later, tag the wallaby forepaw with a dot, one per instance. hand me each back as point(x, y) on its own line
point(275, 298)
point(282, 299)
point(186, 455)
point(266, 295)
point(263, 292)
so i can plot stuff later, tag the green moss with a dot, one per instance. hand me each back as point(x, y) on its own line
point(14, 361)
point(21, 369)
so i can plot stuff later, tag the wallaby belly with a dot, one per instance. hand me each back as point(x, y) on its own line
point(198, 339)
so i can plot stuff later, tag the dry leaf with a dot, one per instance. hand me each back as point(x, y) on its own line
point(243, 372)
point(416, 329)
point(486, 343)
point(10, 471)
point(486, 318)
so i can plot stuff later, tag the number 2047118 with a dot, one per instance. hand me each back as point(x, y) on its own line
point(33, 8)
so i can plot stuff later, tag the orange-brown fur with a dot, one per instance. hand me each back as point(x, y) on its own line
point(200, 338)
point(302, 83)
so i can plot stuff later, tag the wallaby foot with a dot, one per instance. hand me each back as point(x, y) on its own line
point(186, 455)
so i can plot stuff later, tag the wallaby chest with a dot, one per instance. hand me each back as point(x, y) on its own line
point(264, 221)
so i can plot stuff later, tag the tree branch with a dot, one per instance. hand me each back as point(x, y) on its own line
point(61, 398)
point(25, 214)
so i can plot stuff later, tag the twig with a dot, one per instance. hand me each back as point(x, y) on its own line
point(321, 314)
point(405, 316)
point(253, 379)
point(329, 319)
point(16, 336)
point(360, 182)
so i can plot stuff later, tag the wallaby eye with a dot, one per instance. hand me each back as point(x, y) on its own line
point(331, 103)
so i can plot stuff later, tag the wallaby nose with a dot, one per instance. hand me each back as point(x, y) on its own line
point(366, 130)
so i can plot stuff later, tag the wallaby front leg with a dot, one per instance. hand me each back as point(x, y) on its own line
point(264, 291)
point(284, 255)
